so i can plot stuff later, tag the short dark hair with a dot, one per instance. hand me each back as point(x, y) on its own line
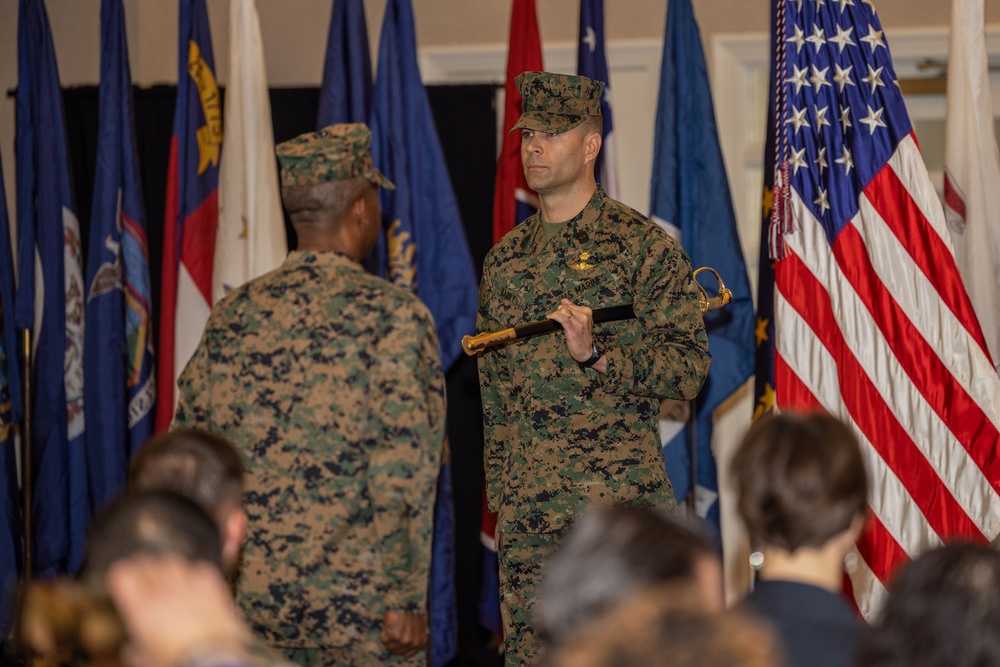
point(943, 611)
point(154, 523)
point(608, 553)
point(199, 465)
point(800, 478)
point(328, 201)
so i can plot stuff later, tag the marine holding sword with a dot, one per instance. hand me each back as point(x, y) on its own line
point(571, 420)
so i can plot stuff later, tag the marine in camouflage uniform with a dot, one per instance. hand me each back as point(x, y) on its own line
point(329, 380)
point(562, 430)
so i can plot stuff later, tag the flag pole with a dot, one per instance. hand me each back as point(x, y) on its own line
point(692, 429)
point(27, 487)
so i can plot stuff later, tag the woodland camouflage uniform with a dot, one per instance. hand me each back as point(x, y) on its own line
point(560, 437)
point(329, 380)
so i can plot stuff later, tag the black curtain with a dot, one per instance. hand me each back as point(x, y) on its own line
point(466, 123)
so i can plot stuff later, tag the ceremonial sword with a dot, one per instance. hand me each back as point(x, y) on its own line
point(475, 344)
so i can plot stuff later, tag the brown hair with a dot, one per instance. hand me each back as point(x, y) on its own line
point(662, 625)
point(800, 478)
point(198, 465)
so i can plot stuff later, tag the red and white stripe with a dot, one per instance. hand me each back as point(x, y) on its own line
point(878, 330)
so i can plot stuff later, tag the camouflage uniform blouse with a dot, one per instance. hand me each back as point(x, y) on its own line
point(559, 437)
point(329, 380)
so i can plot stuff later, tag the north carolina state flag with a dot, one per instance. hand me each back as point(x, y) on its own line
point(192, 208)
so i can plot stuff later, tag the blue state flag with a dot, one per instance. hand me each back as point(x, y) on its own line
point(425, 251)
point(690, 194)
point(10, 413)
point(346, 93)
point(118, 359)
point(49, 245)
point(592, 63)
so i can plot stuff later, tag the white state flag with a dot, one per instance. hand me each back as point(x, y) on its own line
point(972, 169)
point(251, 238)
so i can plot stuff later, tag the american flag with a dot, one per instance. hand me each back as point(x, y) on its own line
point(873, 323)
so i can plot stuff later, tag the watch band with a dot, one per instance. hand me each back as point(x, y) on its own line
point(597, 354)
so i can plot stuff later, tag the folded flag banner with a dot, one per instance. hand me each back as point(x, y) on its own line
point(873, 323)
point(250, 240)
point(690, 198)
point(10, 414)
point(972, 168)
point(425, 240)
point(513, 201)
point(192, 206)
point(49, 301)
point(763, 383)
point(346, 93)
point(592, 63)
point(118, 351)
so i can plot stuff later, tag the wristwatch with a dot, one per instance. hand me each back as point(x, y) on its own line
point(597, 354)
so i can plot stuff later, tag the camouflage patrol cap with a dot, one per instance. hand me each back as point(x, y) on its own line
point(334, 153)
point(554, 103)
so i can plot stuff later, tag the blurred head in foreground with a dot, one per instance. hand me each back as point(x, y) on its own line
point(943, 611)
point(65, 621)
point(661, 626)
point(202, 467)
point(612, 552)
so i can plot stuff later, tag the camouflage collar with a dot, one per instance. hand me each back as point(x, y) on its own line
point(326, 258)
point(580, 227)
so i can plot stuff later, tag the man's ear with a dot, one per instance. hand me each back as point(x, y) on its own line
point(357, 218)
point(593, 145)
point(359, 210)
point(233, 533)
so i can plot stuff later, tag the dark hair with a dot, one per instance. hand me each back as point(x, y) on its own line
point(800, 478)
point(155, 523)
point(199, 465)
point(943, 610)
point(607, 554)
point(324, 202)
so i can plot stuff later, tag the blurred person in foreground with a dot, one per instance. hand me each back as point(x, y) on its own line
point(943, 611)
point(663, 626)
point(329, 381)
point(151, 593)
point(612, 552)
point(202, 467)
point(803, 494)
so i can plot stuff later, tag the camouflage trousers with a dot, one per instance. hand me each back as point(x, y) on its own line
point(523, 557)
point(367, 653)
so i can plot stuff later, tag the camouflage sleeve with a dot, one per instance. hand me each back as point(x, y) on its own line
point(494, 387)
point(192, 409)
point(408, 413)
point(671, 358)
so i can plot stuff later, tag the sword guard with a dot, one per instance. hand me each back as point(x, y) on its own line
point(708, 303)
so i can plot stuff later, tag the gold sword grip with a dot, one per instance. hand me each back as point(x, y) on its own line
point(706, 302)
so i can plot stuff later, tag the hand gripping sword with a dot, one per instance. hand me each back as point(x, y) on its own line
point(706, 303)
